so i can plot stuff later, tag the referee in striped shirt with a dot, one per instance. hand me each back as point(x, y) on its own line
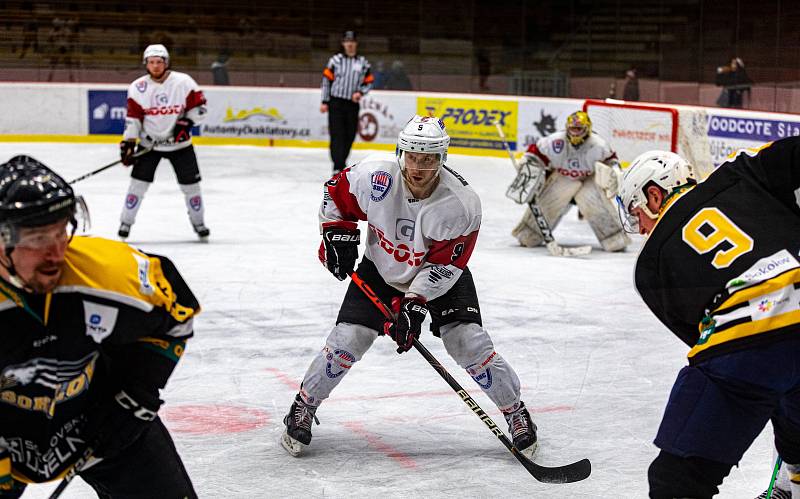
point(345, 79)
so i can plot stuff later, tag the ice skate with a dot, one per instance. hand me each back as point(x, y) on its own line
point(298, 426)
point(202, 232)
point(777, 493)
point(523, 431)
point(124, 230)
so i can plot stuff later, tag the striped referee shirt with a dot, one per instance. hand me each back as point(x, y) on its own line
point(343, 76)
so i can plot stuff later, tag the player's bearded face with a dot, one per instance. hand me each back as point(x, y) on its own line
point(38, 255)
point(156, 67)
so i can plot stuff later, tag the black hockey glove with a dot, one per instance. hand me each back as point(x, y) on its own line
point(183, 130)
point(118, 422)
point(126, 150)
point(411, 314)
point(339, 249)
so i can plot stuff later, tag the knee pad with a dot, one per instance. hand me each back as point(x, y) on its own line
point(467, 343)
point(138, 187)
point(671, 476)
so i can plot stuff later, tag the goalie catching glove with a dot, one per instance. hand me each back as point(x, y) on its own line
point(529, 181)
point(608, 178)
point(338, 251)
point(411, 312)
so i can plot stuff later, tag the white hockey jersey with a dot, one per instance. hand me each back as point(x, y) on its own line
point(557, 153)
point(153, 109)
point(419, 246)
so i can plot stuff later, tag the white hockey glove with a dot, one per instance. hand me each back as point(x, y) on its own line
point(529, 181)
point(608, 178)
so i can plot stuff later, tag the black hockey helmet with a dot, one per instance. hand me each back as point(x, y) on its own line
point(33, 195)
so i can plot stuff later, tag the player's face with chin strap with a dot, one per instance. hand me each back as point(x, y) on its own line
point(38, 256)
point(156, 67)
point(655, 198)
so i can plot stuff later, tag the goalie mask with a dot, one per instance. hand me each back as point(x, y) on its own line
point(664, 169)
point(579, 128)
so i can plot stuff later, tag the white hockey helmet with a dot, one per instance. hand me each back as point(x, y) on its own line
point(424, 134)
point(665, 169)
point(156, 50)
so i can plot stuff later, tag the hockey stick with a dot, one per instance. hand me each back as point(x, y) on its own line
point(774, 477)
point(569, 473)
point(106, 167)
point(552, 246)
point(85, 461)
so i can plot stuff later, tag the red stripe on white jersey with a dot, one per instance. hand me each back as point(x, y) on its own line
point(339, 190)
point(194, 99)
point(135, 111)
point(532, 149)
point(454, 252)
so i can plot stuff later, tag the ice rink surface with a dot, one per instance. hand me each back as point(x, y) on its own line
point(596, 367)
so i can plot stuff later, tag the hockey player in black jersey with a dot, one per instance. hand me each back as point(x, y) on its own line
point(91, 331)
point(721, 270)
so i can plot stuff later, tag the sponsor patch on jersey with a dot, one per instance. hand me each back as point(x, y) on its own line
point(558, 146)
point(143, 272)
point(764, 269)
point(100, 320)
point(141, 86)
point(196, 202)
point(404, 229)
point(381, 184)
point(131, 201)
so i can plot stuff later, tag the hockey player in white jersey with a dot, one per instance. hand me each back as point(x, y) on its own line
point(573, 163)
point(422, 221)
point(163, 106)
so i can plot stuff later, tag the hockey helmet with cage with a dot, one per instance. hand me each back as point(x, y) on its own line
point(156, 50)
point(578, 127)
point(664, 169)
point(423, 134)
point(33, 195)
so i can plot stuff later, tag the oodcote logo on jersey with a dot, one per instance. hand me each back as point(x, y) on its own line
point(100, 320)
point(381, 184)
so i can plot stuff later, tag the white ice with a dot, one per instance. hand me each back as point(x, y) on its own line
point(596, 366)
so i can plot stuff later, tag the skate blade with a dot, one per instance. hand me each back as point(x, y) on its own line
point(530, 451)
point(291, 445)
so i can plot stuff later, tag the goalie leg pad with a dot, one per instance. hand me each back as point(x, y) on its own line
point(554, 201)
point(133, 200)
point(345, 346)
point(194, 202)
point(471, 347)
point(602, 216)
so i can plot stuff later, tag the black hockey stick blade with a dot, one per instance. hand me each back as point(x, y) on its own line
point(569, 473)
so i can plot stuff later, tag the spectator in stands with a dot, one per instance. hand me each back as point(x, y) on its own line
point(630, 91)
point(484, 69)
point(380, 76)
point(61, 43)
point(30, 37)
point(397, 78)
point(734, 82)
point(219, 69)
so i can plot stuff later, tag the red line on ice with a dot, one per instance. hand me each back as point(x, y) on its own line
point(376, 442)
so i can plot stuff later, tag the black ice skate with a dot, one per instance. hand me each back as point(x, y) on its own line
point(202, 232)
point(124, 231)
point(298, 426)
point(523, 431)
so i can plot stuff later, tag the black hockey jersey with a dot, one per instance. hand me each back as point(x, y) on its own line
point(721, 267)
point(117, 319)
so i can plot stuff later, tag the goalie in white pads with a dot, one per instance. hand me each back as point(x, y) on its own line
point(422, 221)
point(573, 163)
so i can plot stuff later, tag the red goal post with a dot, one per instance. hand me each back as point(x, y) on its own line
point(633, 128)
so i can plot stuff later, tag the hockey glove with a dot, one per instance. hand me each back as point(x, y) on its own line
point(183, 130)
point(126, 150)
point(119, 422)
point(339, 249)
point(411, 312)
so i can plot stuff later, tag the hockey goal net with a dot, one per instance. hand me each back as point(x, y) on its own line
point(632, 129)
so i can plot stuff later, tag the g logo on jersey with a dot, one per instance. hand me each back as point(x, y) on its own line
point(381, 184)
point(162, 99)
point(404, 229)
point(558, 146)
